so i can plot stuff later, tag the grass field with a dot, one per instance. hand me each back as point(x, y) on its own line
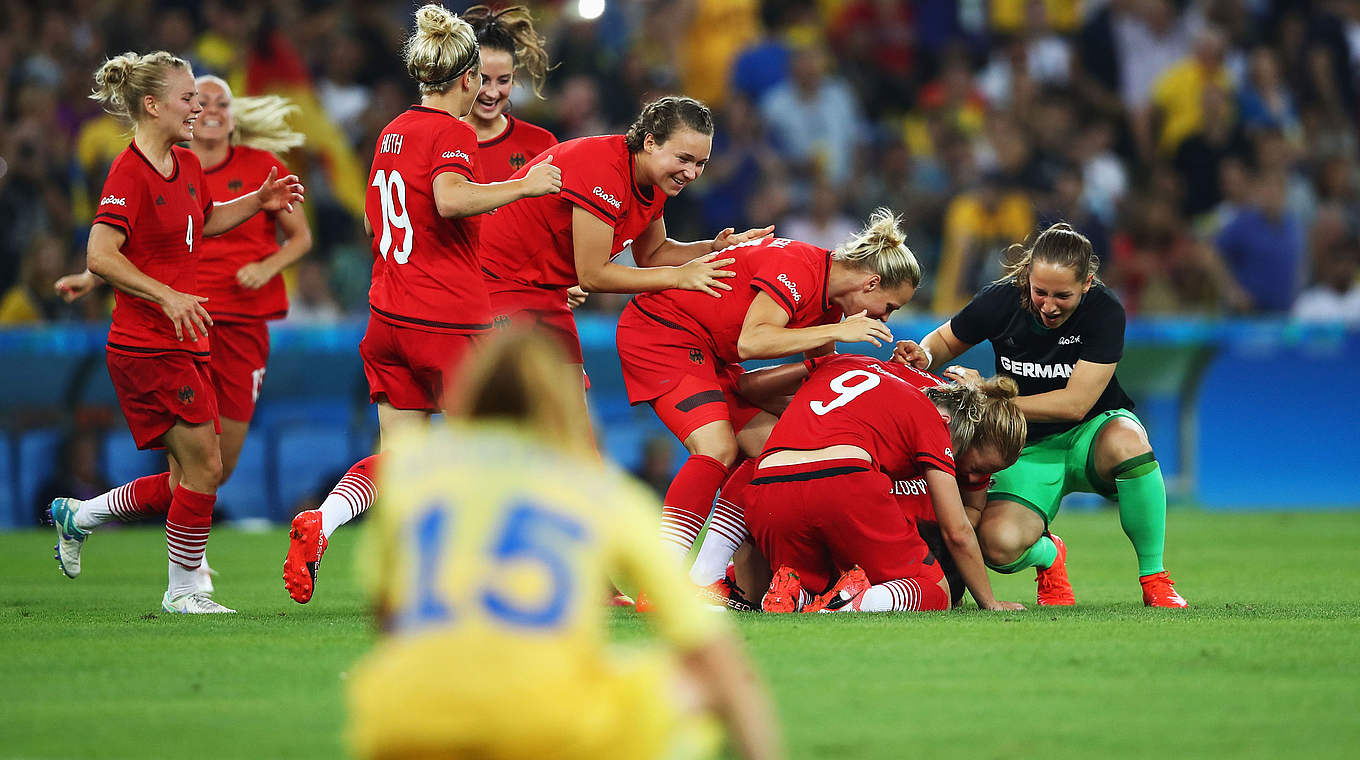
point(1265, 664)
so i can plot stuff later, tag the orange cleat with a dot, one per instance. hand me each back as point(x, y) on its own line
point(724, 593)
point(643, 603)
point(785, 593)
point(846, 595)
point(1055, 590)
point(1158, 591)
point(306, 544)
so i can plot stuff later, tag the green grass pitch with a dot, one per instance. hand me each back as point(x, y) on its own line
point(1263, 665)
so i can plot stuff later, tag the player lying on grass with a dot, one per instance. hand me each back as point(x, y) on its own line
point(491, 542)
point(681, 350)
point(821, 504)
point(1059, 332)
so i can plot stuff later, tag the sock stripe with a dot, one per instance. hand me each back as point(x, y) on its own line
point(357, 490)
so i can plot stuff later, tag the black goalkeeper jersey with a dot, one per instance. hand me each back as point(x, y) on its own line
point(1039, 359)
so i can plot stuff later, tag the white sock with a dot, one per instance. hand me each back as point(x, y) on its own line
point(679, 529)
point(351, 497)
point(101, 509)
point(182, 580)
point(726, 531)
point(901, 595)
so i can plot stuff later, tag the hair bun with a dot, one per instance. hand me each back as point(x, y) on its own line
point(999, 387)
point(435, 21)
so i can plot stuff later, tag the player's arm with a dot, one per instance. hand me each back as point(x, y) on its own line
point(1071, 402)
point(962, 541)
point(974, 501)
point(934, 350)
point(297, 241)
point(104, 258)
point(653, 249)
point(736, 696)
point(592, 239)
point(457, 197)
point(276, 194)
point(765, 333)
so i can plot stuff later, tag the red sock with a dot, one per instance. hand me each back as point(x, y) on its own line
point(690, 498)
point(143, 497)
point(352, 496)
point(187, 526)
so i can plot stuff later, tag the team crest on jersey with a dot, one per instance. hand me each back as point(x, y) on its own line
point(160, 200)
point(517, 160)
point(192, 192)
point(235, 185)
point(186, 395)
point(696, 356)
point(501, 321)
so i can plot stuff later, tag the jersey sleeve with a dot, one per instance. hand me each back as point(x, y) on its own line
point(984, 316)
point(454, 150)
point(1104, 339)
point(595, 184)
point(637, 554)
point(791, 282)
point(931, 447)
point(120, 201)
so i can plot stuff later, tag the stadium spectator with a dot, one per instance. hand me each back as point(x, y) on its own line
point(1178, 93)
point(1263, 246)
point(1199, 157)
point(1336, 296)
point(815, 119)
point(822, 222)
point(33, 298)
point(311, 301)
point(1150, 38)
point(741, 161)
point(977, 224)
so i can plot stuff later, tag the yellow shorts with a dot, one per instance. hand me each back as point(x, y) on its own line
point(422, 699)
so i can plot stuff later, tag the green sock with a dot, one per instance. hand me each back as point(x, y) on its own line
point(1142, 509)
point(1041, 554)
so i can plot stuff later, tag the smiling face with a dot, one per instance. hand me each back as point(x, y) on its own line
point(174, 111)
point(873, 297)
point(1055, 292)
point(216, 122)
point(675, 163)
point(498, 78)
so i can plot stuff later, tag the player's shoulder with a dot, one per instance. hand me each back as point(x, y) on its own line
point(532, 134)
point(1001, 291)
point(1104, 298)
point(254, 157)
point(597, 150)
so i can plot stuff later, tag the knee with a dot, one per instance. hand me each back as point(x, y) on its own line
point(1001, 544)
point(1122, 439)
point(722, 449)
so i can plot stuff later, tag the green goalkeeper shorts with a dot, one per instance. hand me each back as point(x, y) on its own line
point(1053, 467)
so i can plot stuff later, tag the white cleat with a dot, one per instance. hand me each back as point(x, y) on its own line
point(195, 603)
point(70, 539)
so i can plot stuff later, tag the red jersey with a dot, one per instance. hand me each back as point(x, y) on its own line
point(426, 274)
point(244, 170)
point(509, 151)
point(861, 401)
point(794, 274)
point(529, 241)
point(163, 219)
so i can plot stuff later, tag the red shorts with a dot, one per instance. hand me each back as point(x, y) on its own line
point(239, 353)
point(154, 391)
point(410, 366)
point(822, 518)
point(543, 310)
point(688, 386)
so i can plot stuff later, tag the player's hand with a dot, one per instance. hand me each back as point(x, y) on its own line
point(1004, 606)
point(254, 275)
point(910, 352)
point(187, 313)
point(726, 239)
point(73, 287)
point(963, 375)
point(862, 328)
point(279, 193)
point(576, 295)
point(705, 273)
point(542, 178)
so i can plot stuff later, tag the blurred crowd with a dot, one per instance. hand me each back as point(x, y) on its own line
point(1207, 147)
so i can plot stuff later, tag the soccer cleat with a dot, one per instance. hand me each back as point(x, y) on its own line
point(847, 594)
point(1055, 590)
point(642, 602)
point(785, 593)
point(724, 593)
point(195, 603)
point(1158, 591)
point(70, 539)
point(306, 544)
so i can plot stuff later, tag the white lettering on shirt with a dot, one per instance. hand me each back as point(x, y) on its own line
point(391, 143)
point(606, 197)
point(109, 200)
point(1034, 369)
point(793, 289)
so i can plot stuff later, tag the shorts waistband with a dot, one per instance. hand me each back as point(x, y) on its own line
point(827, 468)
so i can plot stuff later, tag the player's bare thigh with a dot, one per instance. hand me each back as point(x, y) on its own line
point(1119, 440)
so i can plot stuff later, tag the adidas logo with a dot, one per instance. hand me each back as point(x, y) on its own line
point(160, 200)
point(110, 200)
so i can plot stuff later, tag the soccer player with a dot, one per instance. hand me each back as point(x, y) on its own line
point(1059, 332)
point(821, 502)
point(614, 188)
point(428, 304)
point(493, 538)
point(155, 209)
point(681, 351)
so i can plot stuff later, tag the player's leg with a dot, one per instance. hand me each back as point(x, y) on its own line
point(727, 528)
point(1021, 503)
point(1121, 453)
point(187, 524)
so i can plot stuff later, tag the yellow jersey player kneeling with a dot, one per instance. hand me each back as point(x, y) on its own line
point(489, 547)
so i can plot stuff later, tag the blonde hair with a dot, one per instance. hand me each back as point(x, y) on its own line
point(442, 48)
point(881, 248)
point(512, 30)
point(1060, 245)
point(261, 121)
point(524, 378)
point(123, 81)
point(983, 416)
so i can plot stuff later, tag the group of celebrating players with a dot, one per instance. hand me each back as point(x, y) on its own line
point(854, 483)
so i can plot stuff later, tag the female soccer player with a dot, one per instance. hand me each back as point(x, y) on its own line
point(154, 210)
point(428, 302)
point(1059, 332)
point(613, 190)
point(681, 351)
point(493, 538)
point(822, 501)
